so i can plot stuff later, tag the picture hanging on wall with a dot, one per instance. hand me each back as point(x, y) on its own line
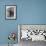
point(10, 12)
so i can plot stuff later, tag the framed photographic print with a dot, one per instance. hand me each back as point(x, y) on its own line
point(10, 12)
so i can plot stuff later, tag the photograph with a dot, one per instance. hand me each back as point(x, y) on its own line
point(10, 12)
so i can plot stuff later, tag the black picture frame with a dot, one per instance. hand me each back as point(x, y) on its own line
point(10, 15)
